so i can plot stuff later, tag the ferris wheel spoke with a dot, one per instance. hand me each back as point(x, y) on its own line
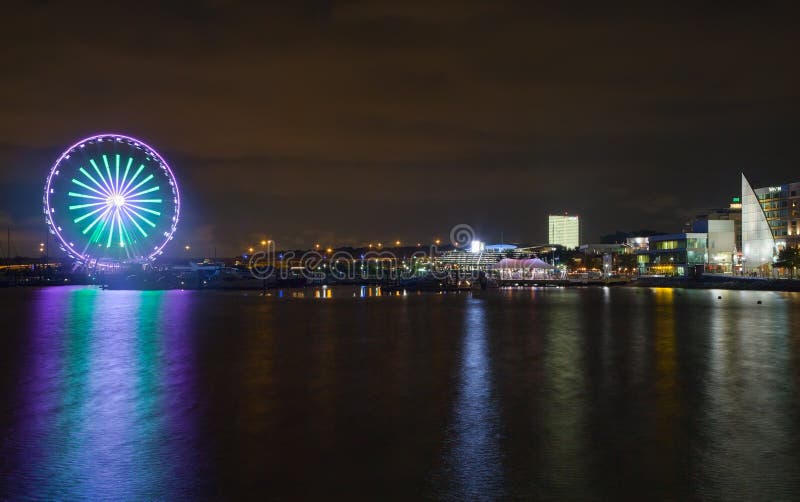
point(75, 194)
point(136, 213)
point(93, 223)
point(135, 202)
point(83, 217)
point(125, 237)
point(108, 171)
point(146, 210)
point(81, 206)
point(135, 223)
point(98, 231)
point(86, 247)
point(116, 172)
point(148, 178)
point(133, 178)
point(111, 229)
point(149, 190)
point(94, 164)
point(102, 190)
point(97, 235)
point(148, 201)
point(119, 230)
point(125, 175)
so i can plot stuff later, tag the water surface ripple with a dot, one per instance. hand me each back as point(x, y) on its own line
point(584, 393)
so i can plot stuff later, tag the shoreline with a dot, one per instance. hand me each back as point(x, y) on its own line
point(724, 283)
point(719, 282)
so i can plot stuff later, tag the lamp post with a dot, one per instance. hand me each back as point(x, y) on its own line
point(44, 260)
point(263, 279)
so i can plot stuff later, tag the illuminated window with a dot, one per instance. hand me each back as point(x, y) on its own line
point(666, 245)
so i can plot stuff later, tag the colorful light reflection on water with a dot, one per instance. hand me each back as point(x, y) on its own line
point(359, 393)
point(106, 405)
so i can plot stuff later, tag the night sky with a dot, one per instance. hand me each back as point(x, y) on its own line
point(344, 123)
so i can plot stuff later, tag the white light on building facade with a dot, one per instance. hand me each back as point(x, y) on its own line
point(758, 243)
point(563, 230)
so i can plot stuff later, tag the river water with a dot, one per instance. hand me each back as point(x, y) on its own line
point(584, 393)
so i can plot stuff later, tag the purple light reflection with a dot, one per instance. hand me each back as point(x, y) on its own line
point(109, 402)
point(39, 386)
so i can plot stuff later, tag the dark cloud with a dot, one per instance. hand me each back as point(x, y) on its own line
point(356, 121)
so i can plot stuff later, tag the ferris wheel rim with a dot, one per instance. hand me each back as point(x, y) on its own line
point(136, 142)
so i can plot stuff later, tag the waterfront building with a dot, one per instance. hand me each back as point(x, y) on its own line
point(564, 230)
point(721, 250)
point(598, 249)
point(501, 248)
point(638, 243)
point(482, 256)
point(476, 246)
point(710, 247)
point(733, 212)
point(609, 252)
point(474, 258)
point(770, 223)
point(529, 269)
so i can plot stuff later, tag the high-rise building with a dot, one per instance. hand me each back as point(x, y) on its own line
point(564, 230)
point(770, 222)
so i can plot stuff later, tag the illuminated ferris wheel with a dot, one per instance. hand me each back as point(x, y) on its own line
point(111, 199)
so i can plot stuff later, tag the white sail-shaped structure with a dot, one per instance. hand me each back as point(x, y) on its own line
point(758, 243)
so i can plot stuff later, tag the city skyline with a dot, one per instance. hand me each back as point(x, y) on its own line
point(347, 124)
point(414, 250)
point(564, 230)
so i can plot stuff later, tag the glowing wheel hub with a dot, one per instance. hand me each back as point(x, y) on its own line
point(116, 201)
